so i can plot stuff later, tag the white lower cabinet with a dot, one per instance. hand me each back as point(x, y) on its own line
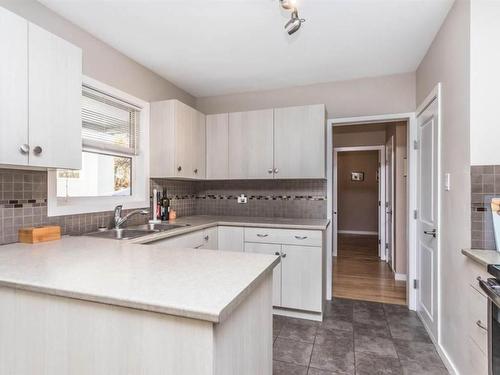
point(210, 239)
point(230, 238)
point(192, 240)
point(270, 249)
point(301, 277)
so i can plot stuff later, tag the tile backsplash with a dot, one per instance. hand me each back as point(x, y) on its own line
point(23, 203)
point(485, 184)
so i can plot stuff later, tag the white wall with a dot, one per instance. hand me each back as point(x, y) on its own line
point(359, 97)
point(485, 82)
point(447, 61)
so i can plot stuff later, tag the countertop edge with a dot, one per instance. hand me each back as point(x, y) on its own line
point(473, 254)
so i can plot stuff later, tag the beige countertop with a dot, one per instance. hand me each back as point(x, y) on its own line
point(483, 257)
point(202, 222)
point(199, 284)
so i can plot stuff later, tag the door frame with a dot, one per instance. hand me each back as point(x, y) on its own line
point(435, 94)
point(411, 198)
point(381, 195)
point(393, 195)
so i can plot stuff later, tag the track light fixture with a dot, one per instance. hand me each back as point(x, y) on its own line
point(295, 21)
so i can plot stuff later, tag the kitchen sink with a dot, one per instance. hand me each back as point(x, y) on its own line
point(121, 234)
point(134, 231)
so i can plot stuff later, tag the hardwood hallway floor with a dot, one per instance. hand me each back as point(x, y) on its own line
point(359, 274)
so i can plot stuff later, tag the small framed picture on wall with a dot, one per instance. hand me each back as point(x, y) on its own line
point(357, 176)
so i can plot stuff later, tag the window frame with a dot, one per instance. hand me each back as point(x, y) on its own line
point(140, 168)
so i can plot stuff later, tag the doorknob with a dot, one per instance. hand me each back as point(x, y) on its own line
point(431, 233)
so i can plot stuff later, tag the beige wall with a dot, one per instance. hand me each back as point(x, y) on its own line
point(101, 61)
point(357, 200)
point(447, 61)
point(400, 210)
point(368, 96)
point(359, 135)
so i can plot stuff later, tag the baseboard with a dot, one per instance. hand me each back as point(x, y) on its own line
point(400, 276)
point(360, 232)
point(442, 353)
point(298, 314)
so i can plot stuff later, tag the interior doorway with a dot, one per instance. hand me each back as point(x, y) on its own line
point(370, 209)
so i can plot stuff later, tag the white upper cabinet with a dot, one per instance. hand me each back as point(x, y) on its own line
point(299, 142)
point(251, 145)
point(217, 146)
point(40, 96)
point(13, 89)
point(177, 140)
point(55, 91)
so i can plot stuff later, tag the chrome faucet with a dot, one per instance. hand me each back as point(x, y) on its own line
point(119, 220)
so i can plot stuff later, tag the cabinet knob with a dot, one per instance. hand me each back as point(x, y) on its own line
point(206, 238)
point(277, 253)
point(24, 149)
point(37, 150)
point(179, 168)
point(196, 170)
point(283, 255)
point(276, 170)
point(270, 171)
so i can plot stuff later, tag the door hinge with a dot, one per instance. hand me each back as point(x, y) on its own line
point(387, 246)
point(415, 145)
point(379, 203)
point(415, 284)
point(379, 241)
point(415, 214)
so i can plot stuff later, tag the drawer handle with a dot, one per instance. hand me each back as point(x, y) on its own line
point(283, 255)
point(301, 237)
point(262, 235)
point(481, 325)
point(206, 238)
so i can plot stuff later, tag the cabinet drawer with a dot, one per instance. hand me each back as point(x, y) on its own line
point(474, 270)
point(284, 236)
point(478, 314)
point(184, 241)
point(477, 360)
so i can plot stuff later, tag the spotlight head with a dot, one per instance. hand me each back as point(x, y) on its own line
point(288, 4)
point(294, 23)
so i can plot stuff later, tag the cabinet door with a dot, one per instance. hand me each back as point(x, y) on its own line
point(217, 146)
point(55, 90)
point(301, 278)
point(270, 249)
point(198, 146)
point(299, 142)
point(185, 120)
point(251, 145)
point(13, 88)
point(230, 238)
point(210, 239)
point(184, 241)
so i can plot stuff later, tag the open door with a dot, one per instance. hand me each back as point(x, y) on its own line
point(428, 215)
point(389, 202)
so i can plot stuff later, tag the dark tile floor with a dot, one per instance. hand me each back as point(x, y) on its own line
point(355, 337)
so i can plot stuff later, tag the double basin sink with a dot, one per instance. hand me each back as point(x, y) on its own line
point(134, 231)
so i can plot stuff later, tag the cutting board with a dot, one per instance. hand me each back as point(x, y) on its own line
point(40, 234)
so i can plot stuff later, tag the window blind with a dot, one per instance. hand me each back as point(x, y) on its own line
point(108, 123)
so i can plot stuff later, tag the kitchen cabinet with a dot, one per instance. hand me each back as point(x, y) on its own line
point(299, 142)
point(301, 277)
point(217, 146)
point(251, 145)
point(177, 140)
point(40, 96)
point(230, 238)
point(13, 88)
point(210, 240)
point(269, 249)
point(193, 240)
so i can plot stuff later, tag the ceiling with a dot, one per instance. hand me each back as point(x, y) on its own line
point(215, 47)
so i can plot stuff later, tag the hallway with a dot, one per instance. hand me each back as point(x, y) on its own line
point(359, 274)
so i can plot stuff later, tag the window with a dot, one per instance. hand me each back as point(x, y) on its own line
point(115, 157)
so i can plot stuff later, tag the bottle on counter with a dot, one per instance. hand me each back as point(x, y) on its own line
point(165, 206)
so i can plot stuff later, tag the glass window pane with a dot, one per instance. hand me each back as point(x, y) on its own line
point(101, 176)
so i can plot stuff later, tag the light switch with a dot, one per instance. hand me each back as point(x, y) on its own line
point(447, 182)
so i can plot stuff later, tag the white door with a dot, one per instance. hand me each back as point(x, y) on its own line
point(301, 277)
point(269, 249)
point(427, 215)
point(55, 101)
point(251, 145)
point(217, 146)
point(13, 89)
point(299, 142)
point(389, 202)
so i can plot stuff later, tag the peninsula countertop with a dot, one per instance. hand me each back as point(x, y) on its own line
point(199, 284)
point(483, 257)
point(195, 223)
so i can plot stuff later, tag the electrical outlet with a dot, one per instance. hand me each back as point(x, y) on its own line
point(242, 199)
